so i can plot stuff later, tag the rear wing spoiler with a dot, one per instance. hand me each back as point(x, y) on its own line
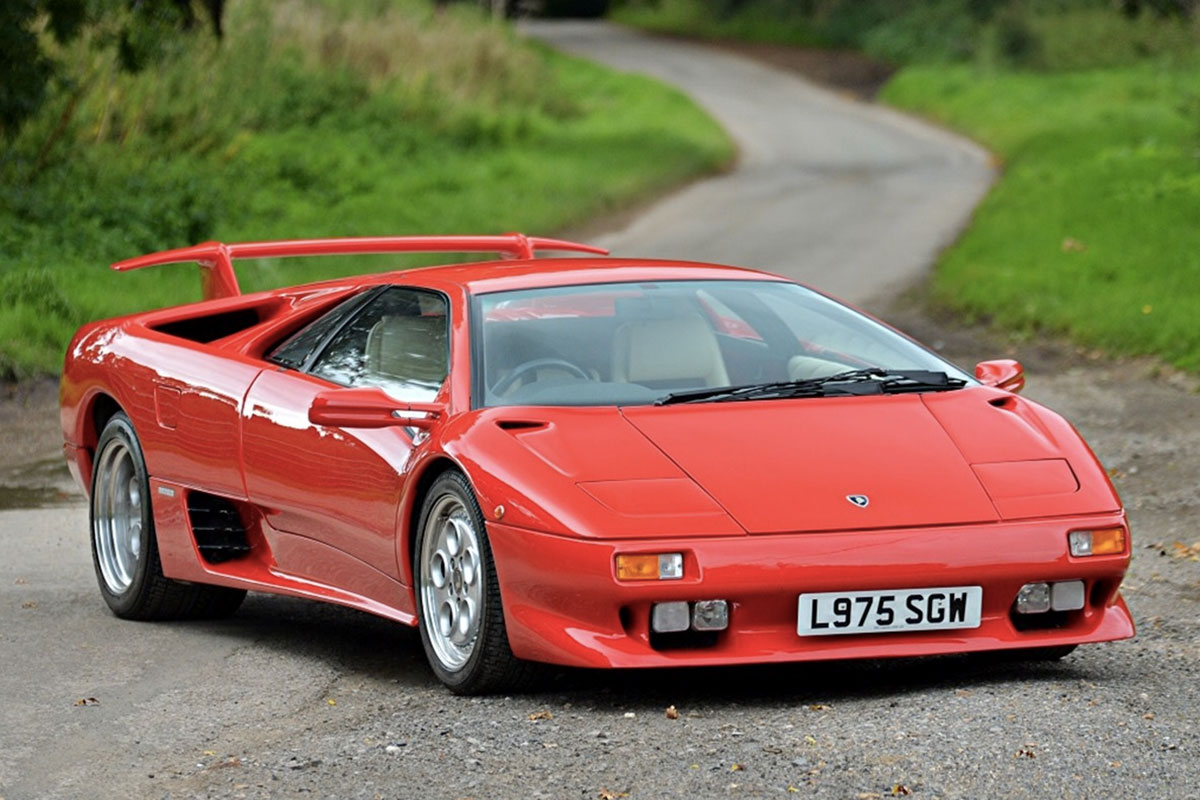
point(219, 280)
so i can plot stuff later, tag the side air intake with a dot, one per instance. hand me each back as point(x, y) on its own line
point(217, 527)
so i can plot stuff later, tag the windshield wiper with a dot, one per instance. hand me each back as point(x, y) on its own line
point(872, 380)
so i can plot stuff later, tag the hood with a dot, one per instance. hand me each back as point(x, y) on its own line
point(824, 464)
point(972, 456)
point(793, 465)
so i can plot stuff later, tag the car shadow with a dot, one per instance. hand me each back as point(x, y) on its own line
point(805, 683)
point(369, 646)
point(352, 640)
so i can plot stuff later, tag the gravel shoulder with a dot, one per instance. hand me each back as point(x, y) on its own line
point(290, 698)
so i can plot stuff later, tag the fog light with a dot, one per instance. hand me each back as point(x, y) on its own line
point(1067, 596)
point(1034, 598)
point(1107, 542)
point(670, 617)
point(650, 566)
point(710, 615)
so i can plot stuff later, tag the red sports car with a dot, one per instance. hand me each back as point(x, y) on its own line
point(601, 462)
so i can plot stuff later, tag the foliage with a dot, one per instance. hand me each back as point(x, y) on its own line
point(1050, 35)
point(313, 118)
point(1091, 230)
point(750, 21)
point(24, 67)
point(139, 32)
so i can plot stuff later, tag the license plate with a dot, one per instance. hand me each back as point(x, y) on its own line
point(890, 610)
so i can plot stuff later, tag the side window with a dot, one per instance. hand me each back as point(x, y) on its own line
point(398, 342)
point(295, 350)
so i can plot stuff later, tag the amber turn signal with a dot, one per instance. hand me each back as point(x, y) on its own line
point(649, 566)
point(1107, 542)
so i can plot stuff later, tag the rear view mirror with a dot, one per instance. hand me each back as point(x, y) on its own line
point(370, 408)
point(1002, 373)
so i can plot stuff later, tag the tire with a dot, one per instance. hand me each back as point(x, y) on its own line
point(460, 613)
point(124, 545)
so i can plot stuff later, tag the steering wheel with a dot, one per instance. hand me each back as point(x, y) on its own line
point(519, 371)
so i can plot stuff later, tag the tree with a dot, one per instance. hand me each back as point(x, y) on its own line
point(215, 9)
point(1163, 8)
point(26, 70)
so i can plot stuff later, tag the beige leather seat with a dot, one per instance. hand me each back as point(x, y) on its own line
point(406, 350)
point(805, 367)
point(678, 352)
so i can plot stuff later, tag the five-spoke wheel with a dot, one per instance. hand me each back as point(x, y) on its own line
point(458, 594)
point(451, 588)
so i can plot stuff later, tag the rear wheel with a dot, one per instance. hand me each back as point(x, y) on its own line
point(458, 595)
point(124, 547)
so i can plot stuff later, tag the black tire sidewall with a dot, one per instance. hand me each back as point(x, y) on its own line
point(120, 429)
point(462, 679)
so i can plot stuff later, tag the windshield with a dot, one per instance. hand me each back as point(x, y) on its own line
point(642, 343)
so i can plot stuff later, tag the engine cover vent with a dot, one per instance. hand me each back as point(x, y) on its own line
point(217, 527)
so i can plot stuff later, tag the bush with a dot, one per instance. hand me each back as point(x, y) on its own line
point(935, 31)
point(1051, 35)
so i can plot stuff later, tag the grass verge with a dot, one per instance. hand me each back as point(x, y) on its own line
point(314, 118)
point(1091, 231)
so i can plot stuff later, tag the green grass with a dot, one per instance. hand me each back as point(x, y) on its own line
point(315, 118)
point(1092, 229)
point(695, 18)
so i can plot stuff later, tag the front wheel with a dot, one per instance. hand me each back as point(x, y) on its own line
point(458, 595)
point(124, 547)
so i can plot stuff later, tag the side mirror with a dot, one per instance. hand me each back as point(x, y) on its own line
point(1003, 373)
point(370, 408)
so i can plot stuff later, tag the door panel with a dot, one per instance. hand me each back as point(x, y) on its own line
point(337, 486)
point(340, 486)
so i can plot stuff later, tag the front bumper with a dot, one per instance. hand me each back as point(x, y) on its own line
point(564, 605)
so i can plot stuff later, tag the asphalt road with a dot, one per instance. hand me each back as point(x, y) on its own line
point(847, 196)
point(290, 698)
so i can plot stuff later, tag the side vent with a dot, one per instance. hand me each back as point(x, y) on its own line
point(217, 526)
point(210, 327)
point(520, 425)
